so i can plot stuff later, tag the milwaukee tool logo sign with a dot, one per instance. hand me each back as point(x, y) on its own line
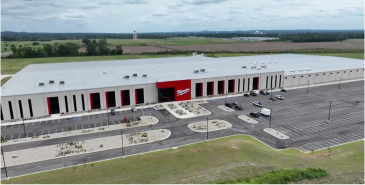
point(181, 92)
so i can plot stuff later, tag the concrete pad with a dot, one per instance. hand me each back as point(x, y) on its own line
point(93, 145)
point(186, 109)
point(145, 121)
point(213, 125)
point(276, 133)
point(225, 108)
point(247, 119)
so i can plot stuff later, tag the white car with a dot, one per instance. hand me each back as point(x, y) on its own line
point(257, 103)
point(279, 97)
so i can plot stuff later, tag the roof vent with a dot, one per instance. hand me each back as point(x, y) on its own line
point(263, 66)
point(250, 62)
point(41, 84)
point(144, 75)
point(300, 69)
point(292, 70)
point(196, 71)
point(126, 76)
point(202, 70)
point(134, 74)
point(307, 69)
point(244, 67)
point(51, 81)
point(253, 67)
point(62, 82)
point(258, 68)
point(104, 72)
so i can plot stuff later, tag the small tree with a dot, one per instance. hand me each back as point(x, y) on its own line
point(5, 49)
point(2, 138)
point(69, 128)
point(312, 151)
point(329, 150)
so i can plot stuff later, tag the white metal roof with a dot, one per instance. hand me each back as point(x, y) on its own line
point(89, 75)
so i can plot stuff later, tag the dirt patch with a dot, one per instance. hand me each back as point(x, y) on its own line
point(324, 155)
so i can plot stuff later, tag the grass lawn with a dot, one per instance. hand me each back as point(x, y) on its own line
point(4, 80)
point(212, 162)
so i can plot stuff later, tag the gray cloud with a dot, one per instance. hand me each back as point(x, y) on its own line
point(135, 1)
point(202, 2)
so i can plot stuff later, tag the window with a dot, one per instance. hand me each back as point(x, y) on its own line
point(82, 100)
point(302, 76)
point(11, 110)
point(344, 71)
point(316, 74)
point(286, 77)
point(293, 76)
point(324, 73)
point(310, 75)
point(20, 108)
point(357, 70)
point(66, 103)
point(338, 72)
point(351, 71)
point(30, 107)
point(75, 107)
point(331, 73)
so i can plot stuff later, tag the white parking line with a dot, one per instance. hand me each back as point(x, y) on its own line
point(113, 122)
point(46, 122)
point(40, 122)
point(55, 131)
point(76, 127)
point(11, 137)
point(82, 126)
point(101, 124)
point(62, 129)
point(49, 131)
point(34, 134)
point(33, 124)
point(11, 126)
point(19, 126)
point(4, 128)
point(95, 125)
point(119, 121)
point(26, 135)
point(42, 133)
point(19, 136)
point(99, 115)
point(89, 125)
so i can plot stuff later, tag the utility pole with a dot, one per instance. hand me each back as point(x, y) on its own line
point(270, 118)
point(207, 130)
point(121, 133)
point(339, 84)
point(25, 134)
point(2, 153)
point(307, 88)
point(329, 113)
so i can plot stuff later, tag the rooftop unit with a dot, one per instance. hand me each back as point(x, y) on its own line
point(104, 72)
point(244, 67)
point(135, 74)
point(126, 76)
point(196, 71)
point(263, 66)
point(144, 75)
point(253, 67)
point(202, 70)
point(62, 82)
point(51, 81)
point(41, 84)
point(292, 70)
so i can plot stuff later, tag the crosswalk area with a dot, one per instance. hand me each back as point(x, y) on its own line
point(318, 145)
point(318, 125)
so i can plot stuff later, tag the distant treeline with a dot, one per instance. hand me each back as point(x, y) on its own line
point(93, 48)
point(285, 36)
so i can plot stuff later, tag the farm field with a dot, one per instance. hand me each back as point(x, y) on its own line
point(11, 66)
point(211, 162)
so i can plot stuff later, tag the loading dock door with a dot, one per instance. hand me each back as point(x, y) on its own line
point(95, 101)
point(166, 94)
point(110, 99)
point(210, 88)
point(125, 98)
point(255, 83)
point(231, 86)
point(220, 87)
point(198, 89)
point(53, 106)
point(139, 96)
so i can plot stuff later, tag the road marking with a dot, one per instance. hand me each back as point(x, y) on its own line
point(111, 153)
point(62, 129)
point(11, 126)
point(40, 122)
point(89, 125)
point(94, 115)
point(26, 124)
point(55, 131)
point(33, 124)
point(19, 136)
point(11, 137)
point(88, 117)
point(107, 123)
point(49, 131)
point(101, 124)
point(119, 121)
point(95, 125)
point(26, 135)
point(4, 128)
point(113, 122)
point(82, 126)
point(59, 120)
point(99, 115)
point(46, 122)
point(76, 127)
point(19, 126)
point(42, 133)
point(34, 134)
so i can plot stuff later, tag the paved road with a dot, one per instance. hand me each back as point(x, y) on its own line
point(303, 118)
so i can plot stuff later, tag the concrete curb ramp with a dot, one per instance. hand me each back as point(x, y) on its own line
point(276, 133)
point(247, 119)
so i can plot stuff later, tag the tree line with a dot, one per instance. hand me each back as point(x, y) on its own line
point(93, 48)
point(320, 37)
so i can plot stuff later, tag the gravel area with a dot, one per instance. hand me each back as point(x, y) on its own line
point(276, 133)
point(145, 121)
point(84, 146)
point(187, 109)
point(213, 125)
point(225, 108)
point(247, 119)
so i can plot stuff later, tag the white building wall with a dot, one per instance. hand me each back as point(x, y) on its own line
point(339, 75)
point(345, 74)
point(5, 107)
point(295, 79)
point(303, 79)
point(325, 77)
point(310, 78)
point(359, 73)
point(352, 74)
point(151, 93)
point(240, 78)
point(317, 77)
point(332, 76)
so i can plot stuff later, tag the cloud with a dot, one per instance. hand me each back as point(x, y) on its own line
point(135, 1)
point(202, 2)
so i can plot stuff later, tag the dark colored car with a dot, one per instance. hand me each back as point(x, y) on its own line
point(283, 90)
point(247, 95)
point(264, 92)
point(253, 94)
point(272, 99)
point(112, 112)
point(255, 114)
point(229, 105)
point(239, 107)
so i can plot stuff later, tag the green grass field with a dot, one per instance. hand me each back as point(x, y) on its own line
point(216, 161)
point(4, 80)
point(11, 66)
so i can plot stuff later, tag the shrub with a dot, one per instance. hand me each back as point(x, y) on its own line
point(101, 146)
point(69, 128)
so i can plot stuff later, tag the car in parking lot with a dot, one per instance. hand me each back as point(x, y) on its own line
point(253, 93)
point(112, 112)
point(279, 97)
point(257, 103)
point(255, 114)
point(283, 90)
point(247, 95)
point(264, 92)
point(272, 99)
point(238, 106)
point(229, 105)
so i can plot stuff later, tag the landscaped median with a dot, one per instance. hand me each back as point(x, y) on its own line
point(213, 125)
point(84, 146)
point(145, 121)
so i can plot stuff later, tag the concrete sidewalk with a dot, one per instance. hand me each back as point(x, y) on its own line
point(153, 105)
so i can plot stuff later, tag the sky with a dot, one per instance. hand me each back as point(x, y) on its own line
point(122, 16)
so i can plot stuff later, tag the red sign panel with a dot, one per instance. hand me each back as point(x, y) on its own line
point(182, 88)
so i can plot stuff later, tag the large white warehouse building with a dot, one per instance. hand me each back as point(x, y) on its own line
point(45, 89)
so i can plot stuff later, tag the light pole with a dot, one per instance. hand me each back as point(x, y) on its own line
point(307, 88)
point(2, 153)
point(107, 111)
point(339, 84)
point(271, 93)
point(134, 113)
point(225, 100)
point(207, 130)
point(142, 110)
point(329, 113)
point(270, 118)
point(25, 135)
point(121, 133)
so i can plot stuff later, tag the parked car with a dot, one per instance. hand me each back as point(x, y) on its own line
point(238, 106)
point(265, 112)
point(264, 92)
point(133, 109)
point(272, 99)
point(112, 112)
point(279, 97)
point(247, 95)
point(257, 103)
point(283, 90)
point(234, 103)
point(253, 93)
point(255, 114)
point(229, 105)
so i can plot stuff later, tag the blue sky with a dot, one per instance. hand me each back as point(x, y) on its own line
point(122, 16)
